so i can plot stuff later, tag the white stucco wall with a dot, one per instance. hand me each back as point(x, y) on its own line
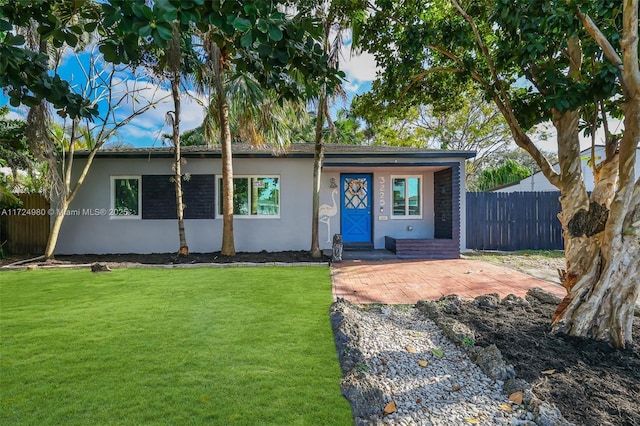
point(102, 234)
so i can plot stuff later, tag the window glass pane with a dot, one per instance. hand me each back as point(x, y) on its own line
point(414, 196)
point(399, 191)
point(356, 193)
point(265, 196)
point(126, 197)
point(254, 196)
point(241, 196)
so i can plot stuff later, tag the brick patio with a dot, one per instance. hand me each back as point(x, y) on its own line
point(396, 281)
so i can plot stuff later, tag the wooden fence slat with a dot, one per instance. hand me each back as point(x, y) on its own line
point(514, 221)
point(24, 233)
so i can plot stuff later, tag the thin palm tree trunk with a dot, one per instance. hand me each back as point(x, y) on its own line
point(228, 246)
point(317, 175)
point(177, 166)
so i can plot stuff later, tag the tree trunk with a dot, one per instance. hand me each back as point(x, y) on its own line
point(177, 164)
point(228, 245)
point(602, 301)
point(52, 241)
point(317, 174)
point(601, 290)
point(580, 251)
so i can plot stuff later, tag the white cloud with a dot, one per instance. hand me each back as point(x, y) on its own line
point(359, 68)
point(354, 87)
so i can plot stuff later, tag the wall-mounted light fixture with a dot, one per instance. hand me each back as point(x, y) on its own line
point(332, 183)
point(409, 228)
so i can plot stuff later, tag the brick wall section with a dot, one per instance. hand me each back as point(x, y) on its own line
point(159, 197)
point(423, 248)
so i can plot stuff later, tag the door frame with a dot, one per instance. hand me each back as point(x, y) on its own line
point(343, 209)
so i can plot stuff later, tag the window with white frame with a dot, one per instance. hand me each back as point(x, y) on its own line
point(406, 192)
point(255, 196)
point(125, 197)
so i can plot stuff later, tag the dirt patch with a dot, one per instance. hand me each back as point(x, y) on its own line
point(591, 383)
point(542, 264)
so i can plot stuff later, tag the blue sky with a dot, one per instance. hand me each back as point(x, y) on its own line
point(146, 130)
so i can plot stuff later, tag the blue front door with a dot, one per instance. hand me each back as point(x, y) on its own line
point(356, 208)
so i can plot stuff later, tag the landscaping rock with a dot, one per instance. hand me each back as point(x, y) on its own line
point(100, 267)
point(490, 361)
point(452, 329)
point(345, 332)
point(514, 385)
point(488, 301)
point(450, 304)
point(367, 400)
point(513, 301)
point(548, 415)
point(428, 308)
point(543, 296)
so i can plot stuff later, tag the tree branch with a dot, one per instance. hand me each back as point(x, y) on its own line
point(501, 99)
point(608, 50)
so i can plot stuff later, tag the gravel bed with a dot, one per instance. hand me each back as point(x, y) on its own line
point(400, 369)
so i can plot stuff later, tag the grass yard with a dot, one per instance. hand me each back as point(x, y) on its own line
point(244, 346)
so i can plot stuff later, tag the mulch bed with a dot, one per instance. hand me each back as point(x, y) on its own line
point(173, 259)
point(590, 382)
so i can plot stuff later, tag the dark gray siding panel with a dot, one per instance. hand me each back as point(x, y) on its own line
point(443, 204)
point(159, 197)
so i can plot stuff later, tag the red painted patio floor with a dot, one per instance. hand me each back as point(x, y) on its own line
point(407, 281)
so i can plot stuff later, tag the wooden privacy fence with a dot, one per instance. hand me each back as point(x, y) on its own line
point(514, 221)
point(25, 230)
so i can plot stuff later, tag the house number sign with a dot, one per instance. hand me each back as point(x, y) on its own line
point(382, 183)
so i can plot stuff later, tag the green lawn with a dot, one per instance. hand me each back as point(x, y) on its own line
point(244, 346)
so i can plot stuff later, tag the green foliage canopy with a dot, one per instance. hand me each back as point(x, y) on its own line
point(24, 68)
point(522, 62)
point(509, 172)
point(259, 39)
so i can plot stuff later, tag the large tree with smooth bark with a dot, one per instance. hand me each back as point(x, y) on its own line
point(441, 45)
